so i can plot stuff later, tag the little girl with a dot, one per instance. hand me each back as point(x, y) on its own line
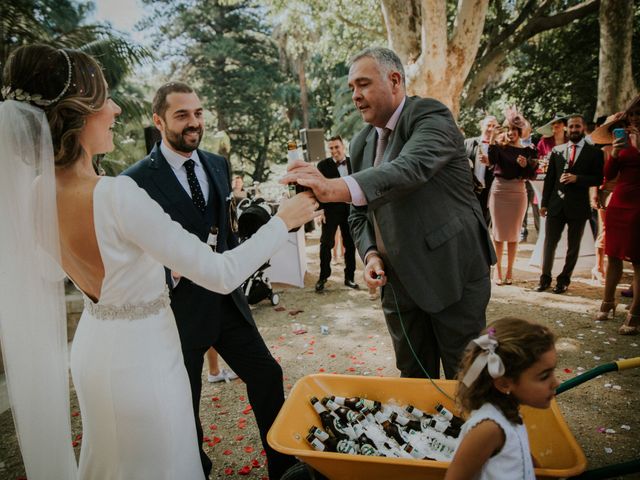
point(513, 363)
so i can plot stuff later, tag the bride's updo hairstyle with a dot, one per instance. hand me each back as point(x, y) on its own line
point(67, 84)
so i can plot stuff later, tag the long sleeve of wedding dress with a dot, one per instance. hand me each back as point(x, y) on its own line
point(143, 221)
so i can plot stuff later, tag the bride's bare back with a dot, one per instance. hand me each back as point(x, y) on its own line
point(81, 258)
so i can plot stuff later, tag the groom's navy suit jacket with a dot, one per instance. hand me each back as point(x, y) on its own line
point(198, 311)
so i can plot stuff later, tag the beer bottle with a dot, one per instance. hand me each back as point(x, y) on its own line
point(392, 431)
point(354, 403)
point(319, 433)
point(315, 442)
point(341, 446)
point(443, 427)
point(456, 422)
point(416, 412)
point(367, 447)
point(330, 404)
point(329, 422)
point(293, 154)
point(405, 422)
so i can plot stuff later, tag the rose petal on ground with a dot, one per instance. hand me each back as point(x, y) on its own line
point(567, 370)
point(247, 409)
point(244, 470)
point(213, 427)
point(321, 370)
point(75, 444)
point(601, 429)
point(75, 413)
point(242, 398)
point(79, 436)
point(215, 399)
point(295, 312)
point(228, 471)
point(248, 449)
point(263, 453)
point(206, 439)
point(256, 463)
point(239, 437)
point(279, 309)
point(227, 452)
point(333, 355)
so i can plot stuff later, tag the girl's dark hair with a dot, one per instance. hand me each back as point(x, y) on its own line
point(43, 70)
point(520, 345)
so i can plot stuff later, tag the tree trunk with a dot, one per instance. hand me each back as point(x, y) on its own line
point(439, 65)
point(304, 96)
point(402, 20)
point(615, 80)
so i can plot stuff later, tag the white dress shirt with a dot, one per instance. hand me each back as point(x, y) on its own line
point(176, 161)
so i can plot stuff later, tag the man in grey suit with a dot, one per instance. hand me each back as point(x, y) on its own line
point(414, 217)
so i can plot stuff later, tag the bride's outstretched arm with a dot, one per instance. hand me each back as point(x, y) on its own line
point(143, 222)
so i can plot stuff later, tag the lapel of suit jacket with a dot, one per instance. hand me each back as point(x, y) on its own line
point(369, 153)
point(170, 187)
point(216, 194)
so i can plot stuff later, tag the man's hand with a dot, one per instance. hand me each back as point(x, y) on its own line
point(374, 271)
point(566, 178)
point(325, 189)
point(543, 211)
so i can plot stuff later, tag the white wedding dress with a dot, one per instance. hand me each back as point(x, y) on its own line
point(126, 360)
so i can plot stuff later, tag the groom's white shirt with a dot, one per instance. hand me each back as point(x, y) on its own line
point(176, 162)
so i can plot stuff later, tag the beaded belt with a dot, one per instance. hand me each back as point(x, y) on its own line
point(128, 311)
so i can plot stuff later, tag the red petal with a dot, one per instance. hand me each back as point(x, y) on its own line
point(248, 449)
point(228, 471)
point(263, 453)
point(213, 427)
point(215, 399)
point(227, 452)
point(567, 370)
point(239, 437)
point(206, 439)
point(333, 355)
point(79, 436)
point(75, 414)
point(242, 398)
point(74, 444)
point(247, 409)
point(216, 440)
point(244, 470)
point(255, 463)
point(321, 370)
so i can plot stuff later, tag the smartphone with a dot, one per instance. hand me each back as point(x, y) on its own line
point(620, 133)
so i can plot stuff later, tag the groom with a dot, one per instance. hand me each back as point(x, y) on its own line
point(192, 186)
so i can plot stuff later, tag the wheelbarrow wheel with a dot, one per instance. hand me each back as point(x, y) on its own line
point(275, 299)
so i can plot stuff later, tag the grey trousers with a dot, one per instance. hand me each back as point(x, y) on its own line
point(434, 337)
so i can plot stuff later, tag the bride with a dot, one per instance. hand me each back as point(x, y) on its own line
point(113, 241)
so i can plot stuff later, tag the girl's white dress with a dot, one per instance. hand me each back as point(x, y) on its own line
point(514, 461)
point(126, 360)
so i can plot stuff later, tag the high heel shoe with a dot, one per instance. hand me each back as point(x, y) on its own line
point(631, 325)
point(605, 308)
point(597, 276)
point(508, 281)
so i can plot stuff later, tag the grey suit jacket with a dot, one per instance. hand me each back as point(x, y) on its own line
point(430, 221)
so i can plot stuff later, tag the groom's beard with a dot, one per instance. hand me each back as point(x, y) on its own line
point(178, 141)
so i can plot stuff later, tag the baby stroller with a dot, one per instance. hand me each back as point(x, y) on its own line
point(252, 214)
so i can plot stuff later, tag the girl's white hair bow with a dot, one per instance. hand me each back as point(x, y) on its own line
point(488, 358)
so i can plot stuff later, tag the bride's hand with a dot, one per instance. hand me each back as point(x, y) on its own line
point(298, 210)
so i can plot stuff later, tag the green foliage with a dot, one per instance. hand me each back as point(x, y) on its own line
point(228, 55)
point(62, 24)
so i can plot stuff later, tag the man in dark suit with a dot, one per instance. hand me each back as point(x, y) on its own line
point(192, 186)
point(573, 168)
point(336, 215)
point(482, 174)
point(414, 217)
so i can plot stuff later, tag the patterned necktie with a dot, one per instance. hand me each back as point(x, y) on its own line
point(383, 138)
point(194, 185)
point(572, 155)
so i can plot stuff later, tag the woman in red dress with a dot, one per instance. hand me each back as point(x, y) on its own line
point(622, 219)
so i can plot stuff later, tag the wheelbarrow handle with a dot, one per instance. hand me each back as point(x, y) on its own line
point(599, 370)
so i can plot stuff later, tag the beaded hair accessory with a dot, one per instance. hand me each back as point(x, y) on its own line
point(21, 96)
point(488, 357)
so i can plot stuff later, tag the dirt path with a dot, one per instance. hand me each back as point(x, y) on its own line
point(358, 344)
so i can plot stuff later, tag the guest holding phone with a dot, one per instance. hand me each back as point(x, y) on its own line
point(622, 219)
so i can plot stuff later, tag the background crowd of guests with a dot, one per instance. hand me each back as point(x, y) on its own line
point(590, 175)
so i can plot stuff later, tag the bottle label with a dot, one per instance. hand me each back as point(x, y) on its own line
point(320, 434)
point(317, 445)
point(366, 449)
point(346, 446)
